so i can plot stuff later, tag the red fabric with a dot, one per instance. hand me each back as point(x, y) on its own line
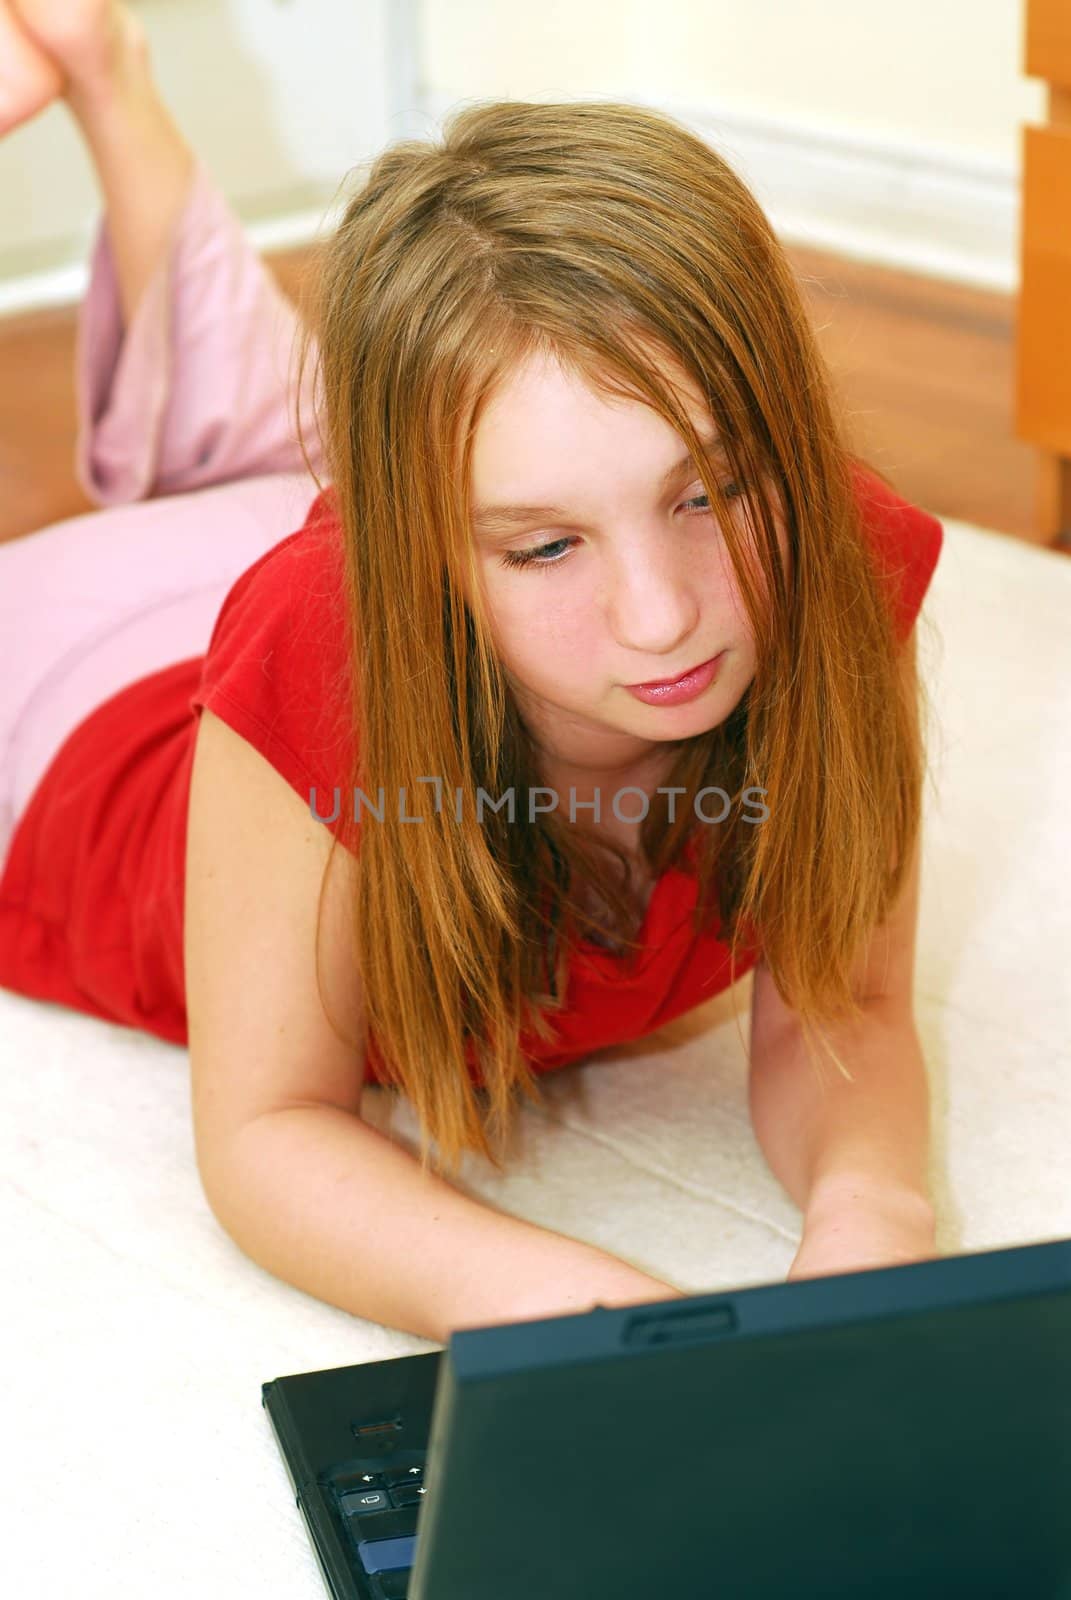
point(91, 899)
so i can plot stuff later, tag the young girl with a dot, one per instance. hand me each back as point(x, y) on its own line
point(580, 442)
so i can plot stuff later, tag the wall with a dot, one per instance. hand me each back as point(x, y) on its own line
point(280, 97)
point(944, 73)
point(887, 131)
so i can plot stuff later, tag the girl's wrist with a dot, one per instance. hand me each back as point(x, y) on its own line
point(839, 1195)
point(587, 1277)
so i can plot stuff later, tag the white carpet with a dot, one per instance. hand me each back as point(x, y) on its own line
point(136, 1335)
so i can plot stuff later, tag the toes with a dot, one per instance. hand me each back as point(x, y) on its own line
point(29, 80)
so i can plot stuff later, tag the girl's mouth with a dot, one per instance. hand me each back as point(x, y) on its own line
point(672, 691)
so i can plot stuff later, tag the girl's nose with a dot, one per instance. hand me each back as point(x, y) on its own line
point(654, 608)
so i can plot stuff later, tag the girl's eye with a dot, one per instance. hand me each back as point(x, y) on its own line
point(534, 557)
point(538, 555)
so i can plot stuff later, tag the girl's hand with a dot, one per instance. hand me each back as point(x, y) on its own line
point(858, 1229)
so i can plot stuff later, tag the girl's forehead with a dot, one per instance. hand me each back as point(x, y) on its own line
point(543, 400)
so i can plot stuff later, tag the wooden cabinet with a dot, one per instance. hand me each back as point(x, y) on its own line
point(1043, 344)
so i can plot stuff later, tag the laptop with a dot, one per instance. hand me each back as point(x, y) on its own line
point(904, 1431)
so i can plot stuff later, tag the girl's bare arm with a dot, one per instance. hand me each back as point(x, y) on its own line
point(301, 1183)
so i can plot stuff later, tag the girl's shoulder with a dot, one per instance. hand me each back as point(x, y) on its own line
point(904, 539)
point(277, 667)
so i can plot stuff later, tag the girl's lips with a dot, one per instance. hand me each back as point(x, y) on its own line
point(661, 683)
point(678, 690)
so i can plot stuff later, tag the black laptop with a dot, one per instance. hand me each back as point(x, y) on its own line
point(900, 1432)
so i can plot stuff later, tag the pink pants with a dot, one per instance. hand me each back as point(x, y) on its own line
point(186, 433)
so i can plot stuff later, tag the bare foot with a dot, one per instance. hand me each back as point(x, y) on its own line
point(88, 41)
point(29, 79)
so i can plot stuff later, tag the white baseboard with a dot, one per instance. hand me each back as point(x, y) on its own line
point(60, 286)
point(919, 208)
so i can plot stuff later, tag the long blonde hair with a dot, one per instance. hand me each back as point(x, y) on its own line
point(611, 237)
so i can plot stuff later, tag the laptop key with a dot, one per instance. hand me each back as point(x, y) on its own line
point(395, 1475)
point(344, 1482)
point(391, 1585)
point(382, 1555)
point(407, 1494)
point(356, 1501)
point(393, 1524)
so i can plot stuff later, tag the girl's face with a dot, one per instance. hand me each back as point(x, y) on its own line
point(625, 576)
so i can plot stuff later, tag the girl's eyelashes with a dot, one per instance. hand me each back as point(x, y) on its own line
point(538, 555)
point(534, 557)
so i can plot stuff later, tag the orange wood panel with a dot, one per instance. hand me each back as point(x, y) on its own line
point(1043, 364)
point(1052, 500)
point(1048, 41)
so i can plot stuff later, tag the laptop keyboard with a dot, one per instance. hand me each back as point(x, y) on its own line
point(379, 1511)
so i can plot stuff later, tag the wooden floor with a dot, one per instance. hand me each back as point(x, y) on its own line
point(926, 367)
